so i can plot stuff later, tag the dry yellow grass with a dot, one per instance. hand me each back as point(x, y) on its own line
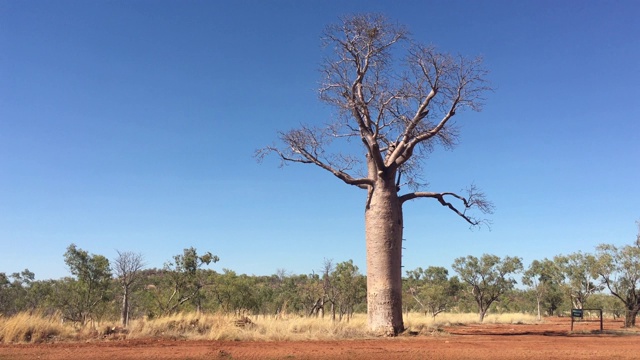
point(304, 328)
point(420, 323)
point(268, 328)
point(34, 328)
point(25, 327)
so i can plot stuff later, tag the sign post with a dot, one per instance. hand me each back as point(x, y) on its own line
point(579, 314)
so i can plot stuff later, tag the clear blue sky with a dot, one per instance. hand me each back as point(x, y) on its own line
point(131, 126)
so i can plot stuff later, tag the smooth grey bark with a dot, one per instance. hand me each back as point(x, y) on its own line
point(124, 314)
point(383, 229)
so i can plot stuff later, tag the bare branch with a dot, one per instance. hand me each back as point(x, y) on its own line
point(307, 146)
point(438, 83)
point(474, 199)
point(353, 81)
point(127, 266)
point(400, 110)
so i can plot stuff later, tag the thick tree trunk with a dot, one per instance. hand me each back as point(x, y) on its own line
point(482, 308)
point(124, 315)
point(481, 314)
point(383, 222)
point(630, 317)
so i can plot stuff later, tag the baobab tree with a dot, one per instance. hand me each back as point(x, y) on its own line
point(400, 109)
point(127, 266)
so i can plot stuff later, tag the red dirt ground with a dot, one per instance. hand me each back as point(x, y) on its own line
point(551, 340)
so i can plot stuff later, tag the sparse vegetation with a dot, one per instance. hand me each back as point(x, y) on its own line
point(229, 306)
point(25, 328)
point(418, 323)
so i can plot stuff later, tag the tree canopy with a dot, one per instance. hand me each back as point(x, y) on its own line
point(488, 277)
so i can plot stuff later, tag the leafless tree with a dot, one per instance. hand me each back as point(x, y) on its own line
point(127, 266)
point(398, 112)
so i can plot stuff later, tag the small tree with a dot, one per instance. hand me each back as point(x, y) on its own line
point(185, 280)
point(312, 291)
point(394, 113)
point(235, 293)
point(619, 269)
point(285, 289)
point(127, 266)
point(488, 278)
point(5, 295)
point(544, 278)
point(14, 294)
point(93, 277)
point(579, 272)
point(349, 287)
point(329, 293)
point(432, 289)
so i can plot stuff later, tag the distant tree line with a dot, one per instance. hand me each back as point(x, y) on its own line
point(99, 289)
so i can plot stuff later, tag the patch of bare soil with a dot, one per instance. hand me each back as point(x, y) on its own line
point(550, 340)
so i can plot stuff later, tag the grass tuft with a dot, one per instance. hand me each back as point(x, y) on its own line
point(30, 328)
